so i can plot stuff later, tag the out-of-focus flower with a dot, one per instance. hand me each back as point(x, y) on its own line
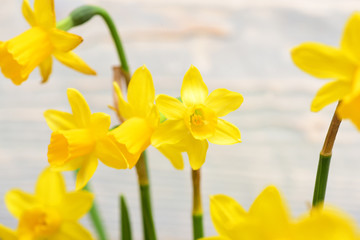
point(81, 138)
point(341, 64)
point(20, 55)
point(195, 120)
point(51, 213)
point(141, 117)
point(268, 219)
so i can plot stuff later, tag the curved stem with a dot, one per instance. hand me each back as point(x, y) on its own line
point(324, 161)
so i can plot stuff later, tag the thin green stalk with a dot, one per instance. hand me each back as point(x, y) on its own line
point(125, 220)
point(83, 14)
point(197, 213)
point(95, 218)
point(143, 177)
point(324, 161)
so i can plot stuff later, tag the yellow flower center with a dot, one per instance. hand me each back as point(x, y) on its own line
point(201, 121)
point(39, 222)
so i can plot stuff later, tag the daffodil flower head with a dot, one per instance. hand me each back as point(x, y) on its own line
point(340, 64)
point(141, 117)
point(196, 120)
point(269, 219)
point(81, 138)
point(19, 56)
point(51, 213)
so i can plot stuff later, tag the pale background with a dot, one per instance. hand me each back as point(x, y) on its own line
point(240, 45)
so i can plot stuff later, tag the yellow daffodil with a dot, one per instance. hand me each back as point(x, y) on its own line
point(81, 138)
point(196, 119)
point(341, 64)
point(141, 117)
point(51, 213)
point(268, 219)
point(19, 56)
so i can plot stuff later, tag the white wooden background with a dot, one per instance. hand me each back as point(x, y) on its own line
point(240, 45)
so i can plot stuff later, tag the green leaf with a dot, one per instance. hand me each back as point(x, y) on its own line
point(125, 220)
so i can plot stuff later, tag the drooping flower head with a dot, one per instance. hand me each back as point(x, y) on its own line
point(340, 64)
point(19, 56)
point(81, 138)
point(269, 219)
point(141, 116)
point(51, 213)
point(197, 118)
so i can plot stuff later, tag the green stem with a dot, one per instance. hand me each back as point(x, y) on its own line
point(143, 177)
point(197, 213)
point(95, 218)
point(324, 161)
point(83, 14)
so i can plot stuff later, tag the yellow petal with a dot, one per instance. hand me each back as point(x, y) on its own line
point(351, 37)
point(349, 109)
point(72, 165)
point(141, 92)
point(99, 124)
point(124, 108)
point(70, 230)
point(79, 107)
point(58, 120)
point(327, 223)
point(22, 54)
point(7, 233)
point(44, 13)
point(173, 154)
point(215, 238)
point(76, 204)
point(69, 144)
point(73, 61)
point(50, 188)
point(135, 133)
point(171, 107)
point(110, 154)
point(223, 101)
point(193, 89)
point(86, 171)
point(225, 214)
point(329, 93)
point(18, 201)
point(28, 13)
point(225, 133)
point(323, 61)
point(196, 150)
point(45, 69)
point(169, 132)
point(270, 209)
point(64, 41)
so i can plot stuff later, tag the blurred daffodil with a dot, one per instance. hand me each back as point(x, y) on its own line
point(141, 117)
point(20, 55)
point(195, 120)
point(341, 64)
point(81, 138)
point(268, 219)
point(50, 213)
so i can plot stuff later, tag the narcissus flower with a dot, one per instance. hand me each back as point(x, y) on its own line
point(141, 116)
point(268, 219)
point(81, 138)
point(341, 64)
point(35, 47)
point(196, 119)
point(51, 213)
